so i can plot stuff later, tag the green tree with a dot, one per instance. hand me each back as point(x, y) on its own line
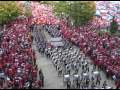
point(80, 12)
point(8, 11)
point(46, 2)
point(113, 26)
point(62, 8)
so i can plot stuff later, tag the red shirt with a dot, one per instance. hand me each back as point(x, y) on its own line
point(1, 65)
point(34, 73)
point(39, 83)
point(10, 71)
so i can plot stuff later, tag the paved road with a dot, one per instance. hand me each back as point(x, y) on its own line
point(52, 81)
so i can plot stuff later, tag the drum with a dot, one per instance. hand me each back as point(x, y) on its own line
point(75, 77)
point(107, 87)
point(66, 78)
point(85, 76)
point(96, 73)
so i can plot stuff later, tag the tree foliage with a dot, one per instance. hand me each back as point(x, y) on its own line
point(113, 26)
point(82, 12)
point(62, 8)
point(46, 2)
point(79, 11)
point(8, 11)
